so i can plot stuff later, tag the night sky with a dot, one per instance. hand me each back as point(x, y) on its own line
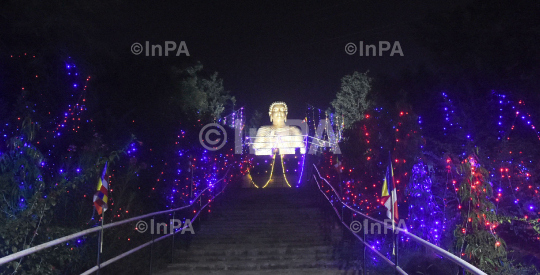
point(268, 51)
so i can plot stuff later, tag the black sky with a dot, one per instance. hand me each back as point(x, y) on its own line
point(280, 50)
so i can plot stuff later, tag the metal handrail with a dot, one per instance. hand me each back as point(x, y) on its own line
point(467, 266)
point(58, 241)
point(127, 253)
point(360, 239)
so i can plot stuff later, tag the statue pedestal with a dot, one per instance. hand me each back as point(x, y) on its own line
point(285, 172)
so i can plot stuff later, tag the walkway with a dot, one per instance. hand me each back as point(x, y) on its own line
point(264, 231)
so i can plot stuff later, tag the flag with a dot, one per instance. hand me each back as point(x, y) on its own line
point(389, 194)
point(102, 195)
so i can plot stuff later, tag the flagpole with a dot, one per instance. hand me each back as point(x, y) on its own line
point(100, 202)
point(98, 253)
point(393, 221)
point(394, 235)
point(100, 243)
point(340, 186)
point(102, 220)
point(392, 216)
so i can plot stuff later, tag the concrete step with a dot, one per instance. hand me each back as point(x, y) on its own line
point(314, 256)
point(267, 210)
point(261, 231)
point(239, 239)
point(260, 239)
point(258, 233)
point(263, 216)
point(290, 271)
point(255, 265)
point(263, 228)
point(254, 250)
point(267, 206)
point(268, 242)
point(268, 220)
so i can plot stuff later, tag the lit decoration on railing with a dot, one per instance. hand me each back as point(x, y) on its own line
point(330, 137)
point(301, 165)
point(193, 169)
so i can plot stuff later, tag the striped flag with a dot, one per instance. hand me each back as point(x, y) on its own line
point(102, 195)
point(389, 194)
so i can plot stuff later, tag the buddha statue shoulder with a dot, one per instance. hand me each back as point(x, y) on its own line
point(278, 137)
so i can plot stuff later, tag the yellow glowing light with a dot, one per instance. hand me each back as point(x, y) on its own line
point(251, 179)
point(283, 167)
point(271, 171)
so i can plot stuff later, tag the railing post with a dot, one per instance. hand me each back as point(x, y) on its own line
point(397, 249)
point(98, 253)
point(364, 254)
point(341, 192)
point(173, 232)
point(152, 244)
point(195, 222)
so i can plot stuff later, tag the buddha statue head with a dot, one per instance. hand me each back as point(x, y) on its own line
point(278, 113)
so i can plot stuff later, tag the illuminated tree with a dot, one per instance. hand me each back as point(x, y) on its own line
point(352, 100)
point(199, 94)
point(475, 235)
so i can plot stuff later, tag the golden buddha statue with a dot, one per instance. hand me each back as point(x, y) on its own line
point(278, 137)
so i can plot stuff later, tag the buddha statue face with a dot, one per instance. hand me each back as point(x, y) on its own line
point(278, 113)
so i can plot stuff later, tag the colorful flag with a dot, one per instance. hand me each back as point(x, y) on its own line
point(102, 195)
point(389, 194)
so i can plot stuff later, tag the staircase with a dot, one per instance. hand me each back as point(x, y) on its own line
point(264, 231)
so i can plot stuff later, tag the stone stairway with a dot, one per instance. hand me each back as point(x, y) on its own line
point(263, 231)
